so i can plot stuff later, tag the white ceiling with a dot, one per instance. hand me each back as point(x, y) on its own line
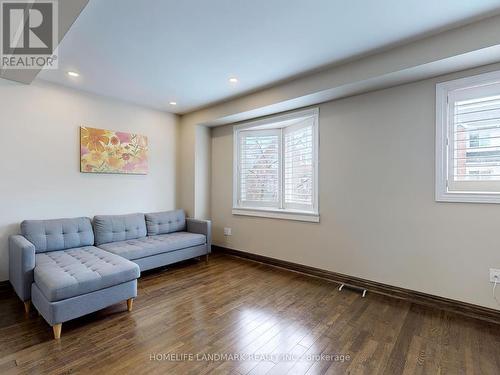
point(156, 51)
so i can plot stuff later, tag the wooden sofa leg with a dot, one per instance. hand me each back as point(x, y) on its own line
point(27, 306)
point(57, 330)
point(130, 303)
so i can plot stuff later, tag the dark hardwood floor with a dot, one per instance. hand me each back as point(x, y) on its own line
point(277, 321)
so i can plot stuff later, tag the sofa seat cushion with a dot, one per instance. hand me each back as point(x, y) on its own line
point(69, 273)
point(153, 245)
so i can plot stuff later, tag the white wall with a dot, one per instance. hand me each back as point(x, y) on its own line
point(379, 219)
point(39, 163)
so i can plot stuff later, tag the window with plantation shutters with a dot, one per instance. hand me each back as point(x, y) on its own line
point(275, 172)
point(468, 139)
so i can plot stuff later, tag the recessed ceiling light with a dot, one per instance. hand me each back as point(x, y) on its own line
point(233, 80)
point(173, 103)
point(73, 74)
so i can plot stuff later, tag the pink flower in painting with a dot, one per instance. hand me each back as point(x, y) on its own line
point(115, 141)
point(125, 156)
point(123, 137)
point(84, 150)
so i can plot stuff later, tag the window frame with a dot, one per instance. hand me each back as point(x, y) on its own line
point(444, 126)
point(268, 123)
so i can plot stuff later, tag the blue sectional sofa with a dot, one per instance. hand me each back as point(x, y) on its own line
point(155, 239)
point(69, 268)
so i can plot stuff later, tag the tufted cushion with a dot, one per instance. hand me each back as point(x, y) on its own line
point(165, 222)
point(58, 234)
point(148, 246)
point(69, 273)
point(111, 228)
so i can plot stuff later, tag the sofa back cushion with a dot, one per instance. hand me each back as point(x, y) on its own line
point(58, 234)
point(165, 222)
point(112, 228)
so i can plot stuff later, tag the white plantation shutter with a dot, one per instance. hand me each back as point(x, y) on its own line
point(298, 166)
point(474, 139)
point(259, 168)
point(275, 167)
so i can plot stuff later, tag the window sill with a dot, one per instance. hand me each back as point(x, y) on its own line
point(468, 197)
point(296, 215)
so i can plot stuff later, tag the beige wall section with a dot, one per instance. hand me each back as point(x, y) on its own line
point(186, 167)
point(39, 167)
point(194, 167)
point(379, 219)
point(203, 152)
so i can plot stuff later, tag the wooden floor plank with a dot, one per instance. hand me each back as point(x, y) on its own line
point(271, 321)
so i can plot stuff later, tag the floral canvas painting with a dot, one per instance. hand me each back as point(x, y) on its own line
point(107, 151)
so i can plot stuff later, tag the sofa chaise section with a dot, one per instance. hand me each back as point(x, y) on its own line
point(55, 265)
point(68, 273)
point(153, 240)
